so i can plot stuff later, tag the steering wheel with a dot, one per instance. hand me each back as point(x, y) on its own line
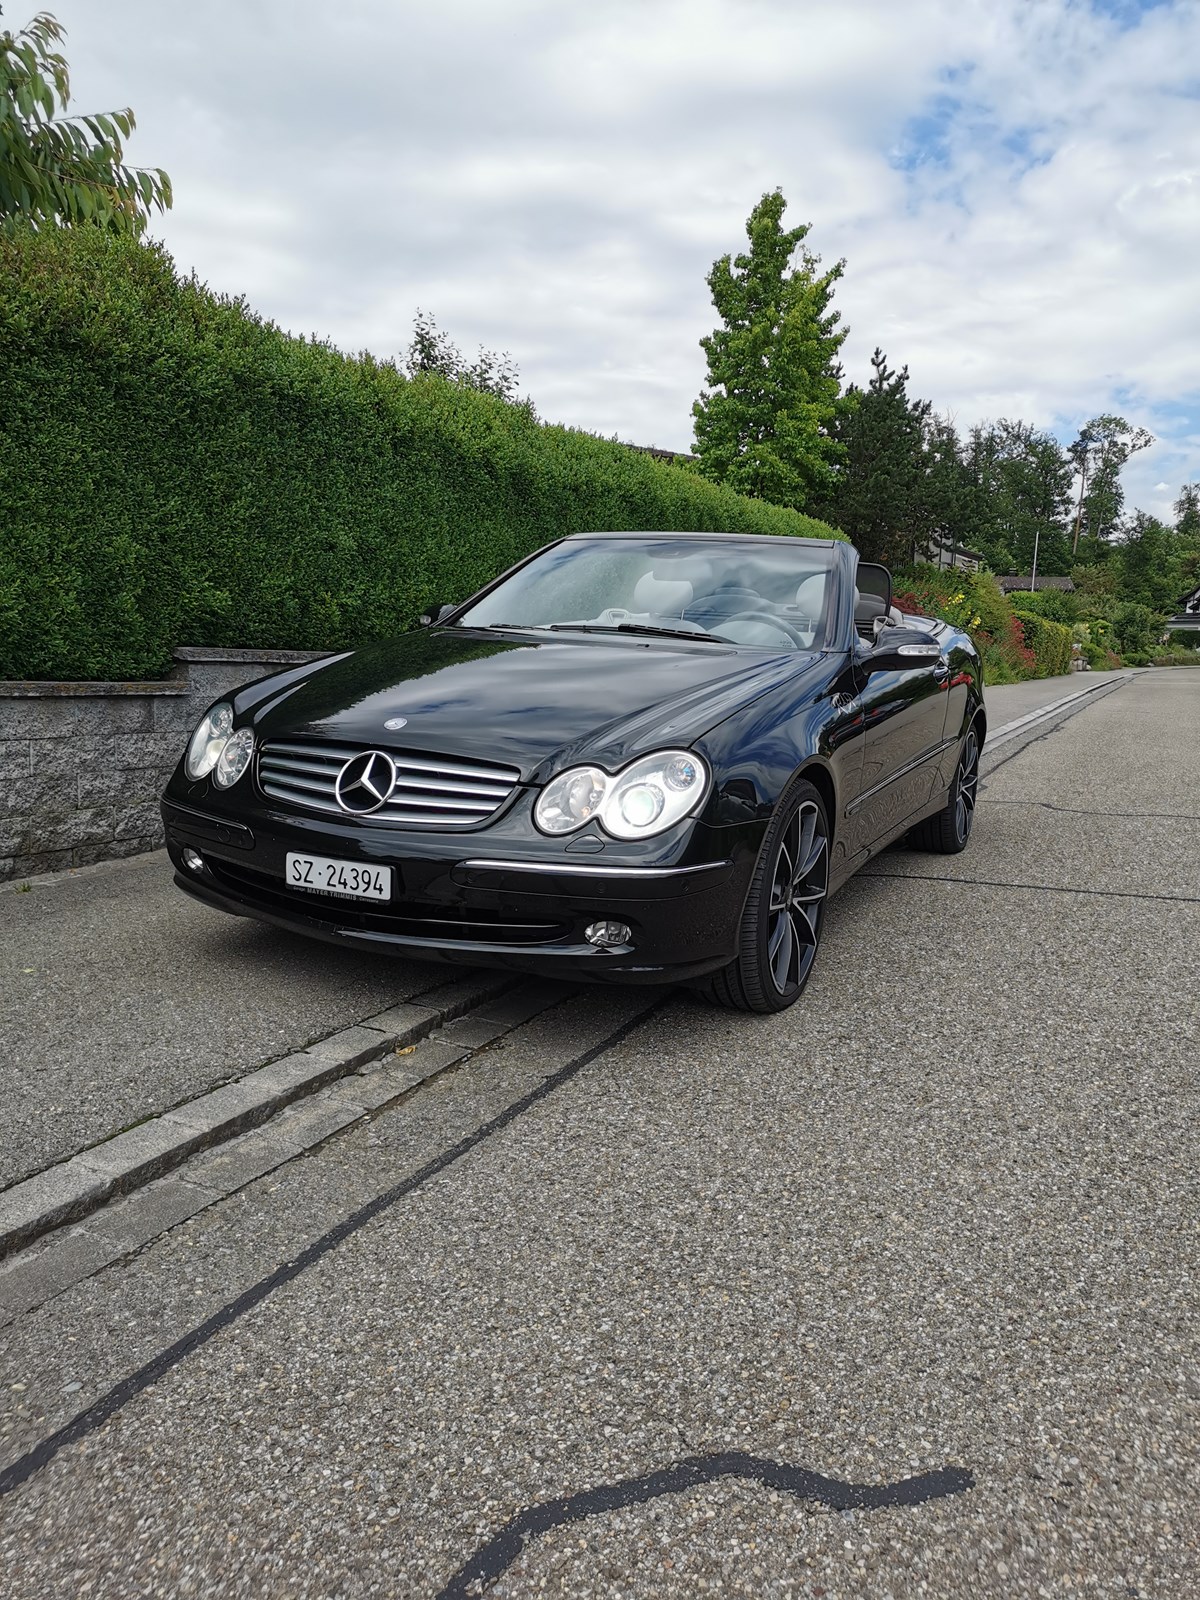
point(775, 622)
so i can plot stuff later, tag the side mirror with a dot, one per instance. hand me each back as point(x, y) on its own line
point(903, 650)
point(432, 615)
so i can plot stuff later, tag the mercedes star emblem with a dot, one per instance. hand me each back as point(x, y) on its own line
point(393, 723)
point(365, 782)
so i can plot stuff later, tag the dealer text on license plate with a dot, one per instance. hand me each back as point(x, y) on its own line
point(353, 880)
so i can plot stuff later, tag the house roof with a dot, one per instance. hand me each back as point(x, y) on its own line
point(956, 549)
point(1024, 580)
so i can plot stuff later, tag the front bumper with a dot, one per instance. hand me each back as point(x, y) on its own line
point(457, 900)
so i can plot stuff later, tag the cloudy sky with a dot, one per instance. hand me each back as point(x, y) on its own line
point(1014, 184)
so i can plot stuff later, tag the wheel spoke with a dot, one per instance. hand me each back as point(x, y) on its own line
point(805, 921)
point(781, 960)
point(812, 879)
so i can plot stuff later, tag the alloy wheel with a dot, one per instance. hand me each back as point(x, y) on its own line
point(968, 784)
point(798, 889)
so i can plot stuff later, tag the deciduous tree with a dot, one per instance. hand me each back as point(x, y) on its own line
point(64, 170)
point(433, 351)
point(1103, 447)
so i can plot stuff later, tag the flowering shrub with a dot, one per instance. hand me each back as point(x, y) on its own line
point(973, 602)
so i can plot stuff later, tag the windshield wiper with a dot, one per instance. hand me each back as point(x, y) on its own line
point(514, 627)
point(634, 627)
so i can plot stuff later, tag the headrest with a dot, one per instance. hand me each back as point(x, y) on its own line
point(810, 596)
point(663, 597)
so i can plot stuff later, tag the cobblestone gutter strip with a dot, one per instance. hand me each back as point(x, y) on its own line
point(74, 1189)
point(67, 1256)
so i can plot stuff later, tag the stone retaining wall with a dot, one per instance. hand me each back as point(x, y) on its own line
point(82, 764)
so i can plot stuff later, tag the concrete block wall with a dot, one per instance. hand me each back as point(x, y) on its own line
point(82, 764)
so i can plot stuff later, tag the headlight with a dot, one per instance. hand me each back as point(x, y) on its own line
point(204, 749)
point(234, 758)
point(645, 798)
point(570, 800)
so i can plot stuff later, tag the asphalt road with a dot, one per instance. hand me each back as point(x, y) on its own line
point(893, 1295)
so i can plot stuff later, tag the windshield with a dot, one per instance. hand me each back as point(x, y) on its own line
point(772, 595)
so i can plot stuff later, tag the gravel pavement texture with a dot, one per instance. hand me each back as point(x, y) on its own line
point(943, 1213)
point(120, 997)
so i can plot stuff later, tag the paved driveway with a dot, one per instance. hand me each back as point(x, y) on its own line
point(892, 1295)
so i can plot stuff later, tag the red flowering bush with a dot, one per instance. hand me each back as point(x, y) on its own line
point(973, 602)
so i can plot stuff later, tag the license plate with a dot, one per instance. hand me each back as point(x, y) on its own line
point(352, 880)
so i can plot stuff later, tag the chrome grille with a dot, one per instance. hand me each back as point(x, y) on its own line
point(430, 791)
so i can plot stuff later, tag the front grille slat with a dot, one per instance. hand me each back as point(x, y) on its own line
point(334, 752)
point(399, 802)
point(290, 764)
point(429, 791)
point(295, 781)
point(492, 793)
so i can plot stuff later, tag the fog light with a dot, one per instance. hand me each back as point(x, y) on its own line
point(192, 859)
point(607, 934)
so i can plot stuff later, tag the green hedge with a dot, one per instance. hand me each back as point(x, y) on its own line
point(174, 470)
point(1050, 643)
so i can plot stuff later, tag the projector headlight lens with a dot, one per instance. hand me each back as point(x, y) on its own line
point(641, 804)
point(648, 797)
point(234, 758)
point(206, 744)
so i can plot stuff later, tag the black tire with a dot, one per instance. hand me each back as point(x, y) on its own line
point(784, 911)
point(948, 830)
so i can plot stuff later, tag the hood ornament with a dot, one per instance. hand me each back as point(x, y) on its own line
point(393, 723)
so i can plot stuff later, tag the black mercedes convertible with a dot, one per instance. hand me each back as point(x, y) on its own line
point(649, 758)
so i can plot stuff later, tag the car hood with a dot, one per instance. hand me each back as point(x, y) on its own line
point(532, 704)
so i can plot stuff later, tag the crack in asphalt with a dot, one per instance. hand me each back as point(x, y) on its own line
point(506, 1544)
point(1087, 811)
point(129, 1387)
point(1042, 888)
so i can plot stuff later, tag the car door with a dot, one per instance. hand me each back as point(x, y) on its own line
point(904, 718)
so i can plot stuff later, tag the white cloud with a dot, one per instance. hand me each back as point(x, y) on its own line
point(1015, 186)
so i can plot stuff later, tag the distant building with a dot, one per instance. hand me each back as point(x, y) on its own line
point(942, 553)
point(1024, 580)
point(1188, 615)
